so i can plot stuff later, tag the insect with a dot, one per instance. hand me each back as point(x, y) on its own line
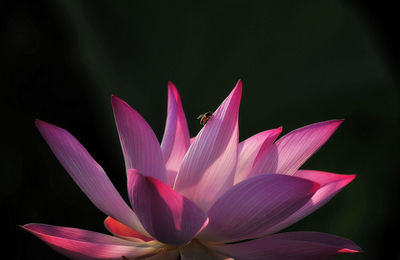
point(205, 117)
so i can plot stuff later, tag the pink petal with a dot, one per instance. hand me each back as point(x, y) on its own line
point(139, 143)
point(293, 149)
point(249, 209)
point(208, 168)
point(330, 183)
point(82, 244)
point(292, 245)
point(197, 251)
point(123, 231)
point(167, 215)
point(251, 149)
point(176, 138)
point(88, 174)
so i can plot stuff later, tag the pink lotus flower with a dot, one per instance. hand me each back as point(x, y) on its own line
point(206, 198)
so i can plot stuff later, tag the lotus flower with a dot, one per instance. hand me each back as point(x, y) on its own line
point(209, 197)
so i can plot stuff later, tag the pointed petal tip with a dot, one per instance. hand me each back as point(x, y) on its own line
point(351, 248)
point(171, 84)
point(336, 122)
point(352, 251)
point(174, 91)
point(278, 130)
point(348, 178)
point(351, 177)
point(40, 123)
point(239, 86)
point(118, 102)
point(28, 227)
point(23, 226)
point(43, 125)
point(115, 99)
point(236, 93)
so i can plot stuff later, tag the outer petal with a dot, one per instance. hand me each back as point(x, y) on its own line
point(83, 244)
point(176, 138)
point(293, 245)
point(251, 149)
point(249, 209)
point(139, 144)
point(330, 183)
point(208, 168)
point(88, 174)
point(123, 231)
point(167, 215)
point(293, 149)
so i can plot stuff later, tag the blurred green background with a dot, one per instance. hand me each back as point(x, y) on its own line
point(300, 61)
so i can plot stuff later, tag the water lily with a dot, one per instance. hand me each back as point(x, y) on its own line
point(209, 197)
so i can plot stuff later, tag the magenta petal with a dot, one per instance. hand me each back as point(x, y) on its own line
point(88, 174)
point(251, 149)
point(176, 138)
point(208, 168)
point(249, 209)
point(292, 245)
point(139, 143)
point(166, 215)
point(293, 149)
point(330, 183)
point(82, 244)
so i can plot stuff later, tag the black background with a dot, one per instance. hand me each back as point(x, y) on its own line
point(300, 63)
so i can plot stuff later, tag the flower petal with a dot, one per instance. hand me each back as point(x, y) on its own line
point(330, 183)
point(293, 149)
point(82, 244)
point(249, 209)
point(292, 245)
point(197, 251)
point(88, 174)
point(139, 144)
point(176, 138)
point(251, 149)
point(208, 168)
point(123, 231)
point(167, 215)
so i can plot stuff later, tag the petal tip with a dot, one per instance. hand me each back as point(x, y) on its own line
point(171, 84)
point(44, 126)
point(28, 227)
point(336, 122)
point(115, 99)
point(40, 123)
point(239, 86)
point(352, 249)
point(350, 177)
point(278, 130)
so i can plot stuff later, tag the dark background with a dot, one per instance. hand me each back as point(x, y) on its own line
point(301, 62)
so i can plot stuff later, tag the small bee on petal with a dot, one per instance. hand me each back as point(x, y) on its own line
point(205, 117)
